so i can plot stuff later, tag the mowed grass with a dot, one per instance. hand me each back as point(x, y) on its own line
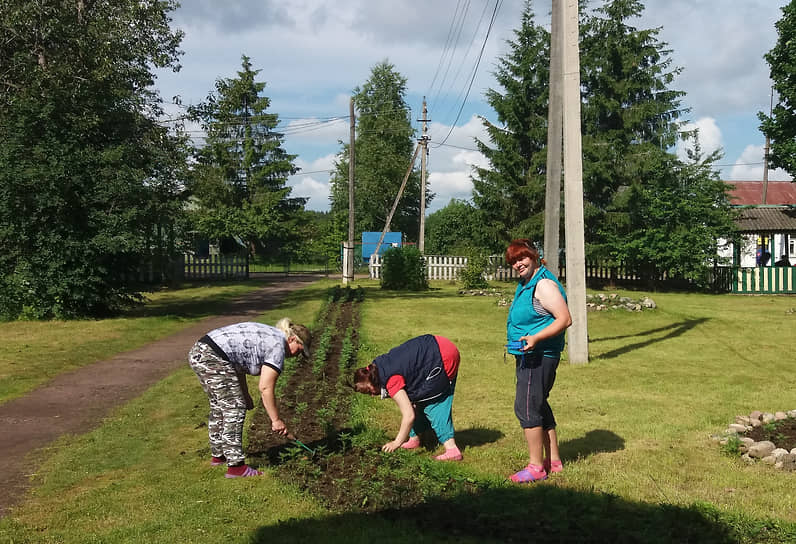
point(33, 352)
point(634, 427)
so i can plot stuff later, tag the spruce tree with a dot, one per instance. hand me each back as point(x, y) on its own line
point(510, 192)
point(240, 184)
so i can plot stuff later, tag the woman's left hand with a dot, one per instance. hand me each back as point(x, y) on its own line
point(391, 446)
point(528, 342)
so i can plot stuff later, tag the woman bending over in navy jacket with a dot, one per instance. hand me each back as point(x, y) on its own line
point(420, 376)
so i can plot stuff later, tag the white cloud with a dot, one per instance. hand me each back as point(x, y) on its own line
point(313, 185)
point(708, 133)
point(749, 167)
point(315, 190)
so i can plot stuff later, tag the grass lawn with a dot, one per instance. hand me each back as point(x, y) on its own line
point(33, 352)
point(634, 429)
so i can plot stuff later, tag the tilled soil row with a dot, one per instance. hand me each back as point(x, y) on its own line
point(315, 402)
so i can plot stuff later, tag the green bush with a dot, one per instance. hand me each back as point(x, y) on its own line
point(403, 269)
point(472, 275)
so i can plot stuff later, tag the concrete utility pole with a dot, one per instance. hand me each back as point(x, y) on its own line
point(397, 200)
point(578, 341)
point(555, 118)
point(348, 250)
point(421, 241)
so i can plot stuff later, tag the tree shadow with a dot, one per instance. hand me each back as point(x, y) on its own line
point(676, 329)
point(596, 441)
point(540, 512)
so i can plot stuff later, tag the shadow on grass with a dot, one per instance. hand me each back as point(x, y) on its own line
point(596, 441)
point(676, 329)
point(503, 513)
point(477, 436)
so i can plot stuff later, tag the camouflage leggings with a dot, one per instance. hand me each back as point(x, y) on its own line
point(227, 404)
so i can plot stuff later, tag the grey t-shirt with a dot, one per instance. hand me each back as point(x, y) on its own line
point(251, 345)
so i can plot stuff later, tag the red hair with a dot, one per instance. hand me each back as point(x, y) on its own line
point(521, 248)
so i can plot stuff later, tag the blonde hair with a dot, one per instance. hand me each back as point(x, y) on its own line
point(284, 326)
point(294, 329)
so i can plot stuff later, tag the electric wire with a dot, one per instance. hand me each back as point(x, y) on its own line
point(475, 70)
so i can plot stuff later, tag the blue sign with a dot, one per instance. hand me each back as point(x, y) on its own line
point(370, 239)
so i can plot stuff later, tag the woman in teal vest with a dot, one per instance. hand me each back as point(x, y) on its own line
point(535, 329)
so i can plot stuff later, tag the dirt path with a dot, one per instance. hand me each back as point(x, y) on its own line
point(77, 401)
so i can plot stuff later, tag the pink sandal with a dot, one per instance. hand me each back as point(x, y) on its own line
point(412, 443)
point(248, 471)
point(453, 454)
point(531, 473)
point(553, 466)
point(216, 461)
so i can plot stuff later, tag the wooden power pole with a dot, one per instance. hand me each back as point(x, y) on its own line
point(348, 250)
point(421, 241)
point(555, 113)
point(578, 348)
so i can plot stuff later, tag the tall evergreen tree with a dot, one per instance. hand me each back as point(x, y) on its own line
point(511, 190)
point(384, 146)
point(89, 180)
point(629, 113)
point(240, 183)
point(780, 126)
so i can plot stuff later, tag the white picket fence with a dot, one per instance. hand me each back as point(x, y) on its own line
point(446, 267)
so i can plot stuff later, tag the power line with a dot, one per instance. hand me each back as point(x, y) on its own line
point(475, 70)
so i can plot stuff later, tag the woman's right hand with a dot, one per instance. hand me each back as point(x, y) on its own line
point(278, 426)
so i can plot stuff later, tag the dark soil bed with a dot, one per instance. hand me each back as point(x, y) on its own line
point(347, 471)
point(781, 433)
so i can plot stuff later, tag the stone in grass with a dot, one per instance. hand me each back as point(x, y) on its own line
point(758, 450)
point(746, 459)
point(743, 420)
point(787, 462)
point(780, 416)
point(736, 428)
point(745, 443)
point(779, 452)
point(757, 414)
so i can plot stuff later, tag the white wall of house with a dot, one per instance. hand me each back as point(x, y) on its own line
point(777, 246)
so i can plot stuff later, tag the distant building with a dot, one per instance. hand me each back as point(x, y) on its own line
point(768, 230)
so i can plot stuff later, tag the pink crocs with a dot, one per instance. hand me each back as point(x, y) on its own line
point(553, 466)
point(531, 473)
point(412, 443)
point(452, 454)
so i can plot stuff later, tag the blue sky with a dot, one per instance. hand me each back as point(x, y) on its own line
point(313, 53)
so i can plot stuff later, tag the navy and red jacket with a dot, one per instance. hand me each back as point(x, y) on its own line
point(419, 362)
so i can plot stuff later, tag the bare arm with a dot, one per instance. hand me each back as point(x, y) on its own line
point(407, 419)
point(548, 294)
point(267, 388)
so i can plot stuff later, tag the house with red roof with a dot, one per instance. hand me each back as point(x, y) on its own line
point(767, 223)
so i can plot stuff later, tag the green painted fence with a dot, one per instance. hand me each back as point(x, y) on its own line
point(765, 280)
